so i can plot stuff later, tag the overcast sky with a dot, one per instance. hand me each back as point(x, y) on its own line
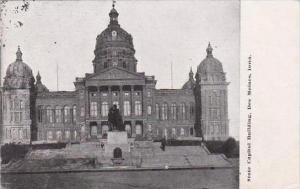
point(64, 33)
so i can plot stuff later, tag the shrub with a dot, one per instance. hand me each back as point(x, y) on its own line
point(13, 152)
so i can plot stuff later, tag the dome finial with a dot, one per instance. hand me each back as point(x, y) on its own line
point(191, 74)
point(209, 50)
point(19, 54)
point(38, 77)
point(113, 4)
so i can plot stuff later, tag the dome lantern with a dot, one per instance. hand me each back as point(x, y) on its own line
point(209, 50)
point(113, 14)
point(19, 54)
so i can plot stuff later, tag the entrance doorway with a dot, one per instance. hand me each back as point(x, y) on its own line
point(117, 153)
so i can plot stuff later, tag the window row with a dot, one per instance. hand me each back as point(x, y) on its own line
point(57, 115)
point(16, 104)
point(174, 112)
point(173, 132)
point(105, 108)
point(215, 129)
point(116, 93)
point(17, 133)
point(16, 117)
point(60, 135)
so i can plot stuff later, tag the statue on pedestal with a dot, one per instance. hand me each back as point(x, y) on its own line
point(115, 119)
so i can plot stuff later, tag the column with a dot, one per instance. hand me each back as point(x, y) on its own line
point(98, 102)
point(121, 100)
point(131, 100)
point(109, 96)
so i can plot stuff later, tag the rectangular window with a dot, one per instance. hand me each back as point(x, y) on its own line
point(93, 109)
point(127, 108)
point(138, 108)
point(104, 109)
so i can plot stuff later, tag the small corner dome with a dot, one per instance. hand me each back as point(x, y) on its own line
point(18, 74)
point(191, 82)
point(210, 64)
point(188, 85)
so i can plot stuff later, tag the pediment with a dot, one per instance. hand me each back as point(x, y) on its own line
point(115, 73)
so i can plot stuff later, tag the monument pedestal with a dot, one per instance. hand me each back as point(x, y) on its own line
point(115, 140)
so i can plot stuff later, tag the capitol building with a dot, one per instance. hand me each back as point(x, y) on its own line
point(30, 112)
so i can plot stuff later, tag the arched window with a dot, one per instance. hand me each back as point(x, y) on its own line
point(128, 129)
point(22, 106)
point(66, 114)
point(138, 129)
point(58, 135)
point(124, 65)
point(173, 112)
point(157, 111)
point(126, 108)
point(105, 65)
point(182, 131)
point(67, 135)
point(138, 108)
point(192, 110)
point(74, 113)
point(49, 135)
point(93, 109)
point(40, 114)
point(49, 114)
point(173, 132)
point(58, 114)
point(164, 111)
point(104, 108)
point(104, 129)
point(75, 135)
point(165, 132)
point(182, 111)
point(20, 133)
point(117, 153)
point(149, 109)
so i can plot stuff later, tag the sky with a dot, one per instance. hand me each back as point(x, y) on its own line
point(63, 34)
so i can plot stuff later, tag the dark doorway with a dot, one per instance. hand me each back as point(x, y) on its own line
point(117, 153)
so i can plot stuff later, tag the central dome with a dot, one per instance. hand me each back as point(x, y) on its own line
point(18, 74)
point(114, 47)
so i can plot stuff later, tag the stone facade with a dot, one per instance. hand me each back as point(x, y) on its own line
point(81, 115)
